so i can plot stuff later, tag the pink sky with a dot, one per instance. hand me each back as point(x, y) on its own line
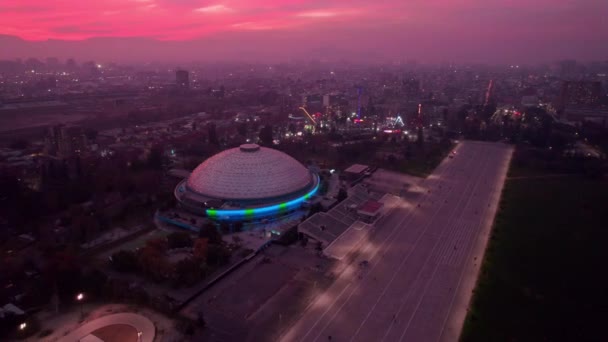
point(476, 30)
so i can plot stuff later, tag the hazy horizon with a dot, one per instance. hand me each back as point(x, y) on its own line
point(432, 31)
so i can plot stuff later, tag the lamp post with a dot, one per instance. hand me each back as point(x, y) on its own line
point(79, 298)
point(139, 333)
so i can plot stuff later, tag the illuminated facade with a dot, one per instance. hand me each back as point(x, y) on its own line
point(247, 183)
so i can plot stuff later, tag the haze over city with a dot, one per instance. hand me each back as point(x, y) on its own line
point(429, 31)
point(303, 171)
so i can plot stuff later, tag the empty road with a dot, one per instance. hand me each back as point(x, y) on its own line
point(423, 256)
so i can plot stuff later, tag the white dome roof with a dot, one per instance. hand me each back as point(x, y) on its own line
point(248, 173)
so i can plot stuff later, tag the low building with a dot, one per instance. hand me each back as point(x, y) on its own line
point(596, 114)
point(354, 172)
point(369, 211)
point(10, 309)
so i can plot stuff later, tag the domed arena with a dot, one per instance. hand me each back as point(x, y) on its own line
point(247, 183)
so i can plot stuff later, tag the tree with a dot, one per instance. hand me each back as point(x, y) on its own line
point(155, 158)
point(152, 259)
point(63, 270)
point(266, 135)
point(201, 247)
point(210, 232)
point(217, 255)
point(315, 208)
point(224, 227)
point(124, 261)
point(420, 137)
point(93, 282)
point(200, 318)
point(138, 294)
point(186, 326)
point(342, 194)
point(292, 128)
point(179, 240)
point(9, 323)
point(242, 129)
point(211, 132)
point(187, 271)
point(319, 246)
point(19, 144)
point(159, 245)
point(237, 240)
point(91, 134)
point(407, 151)
point(391, 159)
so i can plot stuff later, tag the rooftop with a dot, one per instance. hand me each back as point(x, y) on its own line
point(356, 168)
point(249, 172)
point(369, 207)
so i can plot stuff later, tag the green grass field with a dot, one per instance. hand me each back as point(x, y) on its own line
point(422, 165)
point(544, 276)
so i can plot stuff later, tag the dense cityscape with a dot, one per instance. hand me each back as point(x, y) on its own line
point(308, 200)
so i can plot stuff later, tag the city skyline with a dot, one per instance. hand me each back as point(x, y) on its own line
point(291, 170)
point(469, 31)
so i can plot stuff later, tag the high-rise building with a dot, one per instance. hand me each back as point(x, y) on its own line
point(568, 68)
point(52, 62)
point(579, 93)
point(182, 79)
point(71, 64)
point(65, 141)
point(72, 142)
point(332, 99)
point(51, 141)
point(411, 87)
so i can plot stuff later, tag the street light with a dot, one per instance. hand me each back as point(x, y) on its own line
point(139, 333)
point(22, 326)
point(79, 298)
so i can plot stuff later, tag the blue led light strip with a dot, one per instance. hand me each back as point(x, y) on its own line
point(242, 213)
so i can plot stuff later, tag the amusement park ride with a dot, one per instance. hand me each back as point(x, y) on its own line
point(393, 125)
point(313, 125)
point(309, 116)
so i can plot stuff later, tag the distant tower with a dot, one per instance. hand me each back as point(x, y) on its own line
point(51, 141)
point(182, 78)
point(359, 102)
point(489, 93)
point(65, 141)
point(71, 141)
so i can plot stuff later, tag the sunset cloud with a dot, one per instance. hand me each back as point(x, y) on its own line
point(214, 9)
point(399, 23)
point(317, 14)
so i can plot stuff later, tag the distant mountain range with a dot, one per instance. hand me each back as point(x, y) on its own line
point(244, 47)
point(282, 46)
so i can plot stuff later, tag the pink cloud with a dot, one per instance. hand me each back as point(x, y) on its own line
point(214, 9)
point(393, 25)
point(36, 20)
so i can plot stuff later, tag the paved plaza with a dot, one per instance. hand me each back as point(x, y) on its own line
point(422, 258)
point(141, 325)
